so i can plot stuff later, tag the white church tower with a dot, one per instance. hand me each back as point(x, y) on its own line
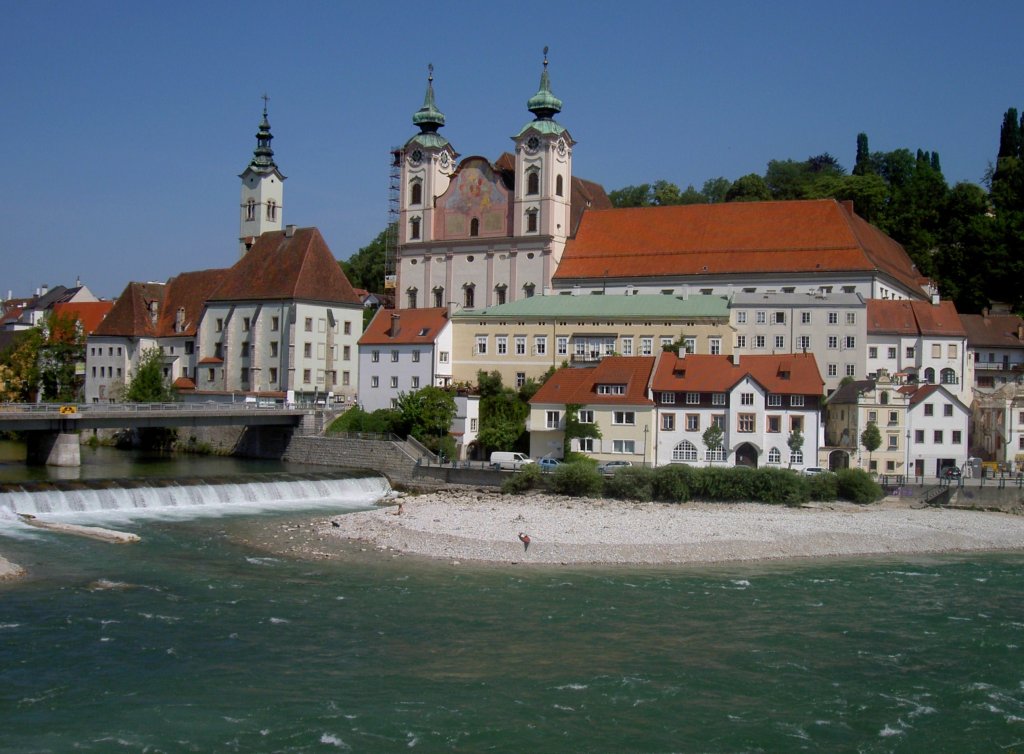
point(262, 204)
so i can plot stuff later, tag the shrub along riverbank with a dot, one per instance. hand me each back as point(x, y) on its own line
point(679, 483)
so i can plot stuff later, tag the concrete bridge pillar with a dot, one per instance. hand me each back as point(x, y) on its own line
point(53, 449)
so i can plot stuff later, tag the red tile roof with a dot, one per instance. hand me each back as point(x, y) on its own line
point(579, 384)
point(913, 318)
point(414, 326)
point(994, 331)
point(188, 291)
point(300, 267)
point(732, 238)
point(784, 374)
point(89, 313)
point(132, 313)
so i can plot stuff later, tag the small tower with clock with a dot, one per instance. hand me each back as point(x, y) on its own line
point(543, 152)
point(428, 162)
point(262, 206)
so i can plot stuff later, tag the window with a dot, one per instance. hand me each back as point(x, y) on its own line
point(894, 442)
point(416, 194)
point(394, 381)
point(774, 456)
point(469, 296)
point(307, 350)
point(220, 327)
point(692, 422)
point(533, 182)
point(646, 346)
point(528, 290)
point(394, 356)
point(540, 345)
point(918, 435)
point(851, 370)
point(553, 419)
point(833, 318)
point(947, 410)
point(745, 422)
point(689, 344)
point(585, 416)
point(851, 318)
point(472, 425)
point(307, 376)
point(718, 454)
point(741, 341)
point(561, 345)
point(190, 346)
point(375, 356)
point(481, 345)
point(501, 345)
point(558, 185)
point(910, 352)
point(531, 221)
point(684, 451)
point(275, 324)
point(272, 210)
point(209, 374)
point(833, 342)
point(667, 398)
point(715, 346)
point(951, 351)
point(948, 377)
point(624, 417)
point(873, 352)
point(692, 399)
point(375, 381)
point(668, 422)
point(520, 379)
point(414, 228)
point(780, 342)
point(803, 342)
point(243, 375)
point(872, 417)
point(438, 297)
point(415, 383)
point(474, 227)
point(623, 446)
point(761, 317)
point(273, 375)
point(499, 294)
point(937, 437)
point(796, 424)
point(443, 357)
point(929, 409)
point(796, 457)
point(309, 324)
point(520, 343)
point(758, 341)
point(718, 399)
point(774, 399)
point(244, 350)
point(741, 318)
point(746, 399)
point(850, 342)
point(250, 210)
point(586, 444)
point(773, 423)
point(929, 375)
point(957, 437)
point(805, 318)
point(410, 297)
point(778, 318)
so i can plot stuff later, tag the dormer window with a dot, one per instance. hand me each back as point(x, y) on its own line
point(533, 182)
point(416, 193)
point(474, 226)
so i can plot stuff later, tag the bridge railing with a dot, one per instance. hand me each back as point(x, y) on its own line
point(138, 408)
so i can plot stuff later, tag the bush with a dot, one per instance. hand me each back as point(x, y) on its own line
point(631, 483)
point(823, 487)
point(780, 487)
point(672, 484)
point(857, 486)
point(527, 478)
point(735, 484)
point(577, 478)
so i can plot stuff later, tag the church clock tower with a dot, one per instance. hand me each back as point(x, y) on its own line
point(262, 204)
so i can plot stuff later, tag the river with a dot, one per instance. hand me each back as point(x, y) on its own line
point(193, 641)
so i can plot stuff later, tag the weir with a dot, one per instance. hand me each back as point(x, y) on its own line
point(139, 495)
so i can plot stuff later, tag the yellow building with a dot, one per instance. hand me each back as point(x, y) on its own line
point(523, 339)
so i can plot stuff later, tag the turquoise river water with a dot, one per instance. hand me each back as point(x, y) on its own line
point(190, 641)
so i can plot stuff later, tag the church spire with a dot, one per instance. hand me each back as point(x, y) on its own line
point(263, 155)
point(544, 104)
point(428, 117)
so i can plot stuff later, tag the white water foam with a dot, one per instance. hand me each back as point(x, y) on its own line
point(185, 501)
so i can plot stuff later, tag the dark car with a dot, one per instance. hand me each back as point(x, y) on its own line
point(951, 472)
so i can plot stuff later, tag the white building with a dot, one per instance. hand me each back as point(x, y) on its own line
point(262, 205)
point(402, 351)
point(937, 422)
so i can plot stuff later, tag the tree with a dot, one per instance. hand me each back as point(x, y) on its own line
point(147, 384)
point(871, 439)
point(61, 358)
point(862, 166)
point(21, 376)
point(631, 196)
point(427, 414)
point(365, 268)
point(575, 429)
point(795, 443)
point(749, 188)
point(712, 437)
point(715, 189)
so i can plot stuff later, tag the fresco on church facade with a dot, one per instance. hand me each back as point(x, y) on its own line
point(474, 193)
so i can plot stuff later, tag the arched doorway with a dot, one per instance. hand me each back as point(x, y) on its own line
point(746, 455)
point(838, 459)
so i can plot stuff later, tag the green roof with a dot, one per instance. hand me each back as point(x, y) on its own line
point(429, 140)
point(653, 306)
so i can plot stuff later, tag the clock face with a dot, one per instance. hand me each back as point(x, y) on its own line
point(533, 144)
point(561, 147)
point(416, 157)
point(444, 159)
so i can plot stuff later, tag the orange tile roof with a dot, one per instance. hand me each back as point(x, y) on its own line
point(187, 291)
point(703, 373)
point(89, 313)
point(732, 238)
point(579, 384)
point(994, 330)
point(414, 326)
point(131, 315)
point(913, 318)
point(300, 267)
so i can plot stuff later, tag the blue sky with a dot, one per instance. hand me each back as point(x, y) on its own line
point(126, 124)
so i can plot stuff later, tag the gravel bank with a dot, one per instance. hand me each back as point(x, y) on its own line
point(9, 570)
point(484, 526)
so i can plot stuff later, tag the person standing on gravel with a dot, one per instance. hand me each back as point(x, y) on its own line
point(525, 539)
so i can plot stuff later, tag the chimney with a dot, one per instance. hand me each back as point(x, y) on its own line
point(1020, 332)
point(935, 299)
point(289, 231)
point(736, 359)
point(394, 325)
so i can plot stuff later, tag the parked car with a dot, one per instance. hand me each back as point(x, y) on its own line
point(549, 464)
point(814, 470)
point(612, 466)
point(951, 472)
point(503, 459)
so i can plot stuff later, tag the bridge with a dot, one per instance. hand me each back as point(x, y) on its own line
point(51, 430)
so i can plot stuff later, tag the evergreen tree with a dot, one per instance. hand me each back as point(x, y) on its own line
point(862, 166)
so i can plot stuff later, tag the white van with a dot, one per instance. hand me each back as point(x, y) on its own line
point(503, 459)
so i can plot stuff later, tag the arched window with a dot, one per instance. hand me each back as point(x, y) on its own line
point(774, 456)
point(271, 210)
point(929, 375)
point(531, 221)
point(414, 228)
point(411, 298)
point(528, 290)
point(533, 182)
point(558, 186)
point(250, 210)
point(948, 377)
point(469, 296)
point(416, 193)
point(885, 398)
point(474, 227)
point(684, 451)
